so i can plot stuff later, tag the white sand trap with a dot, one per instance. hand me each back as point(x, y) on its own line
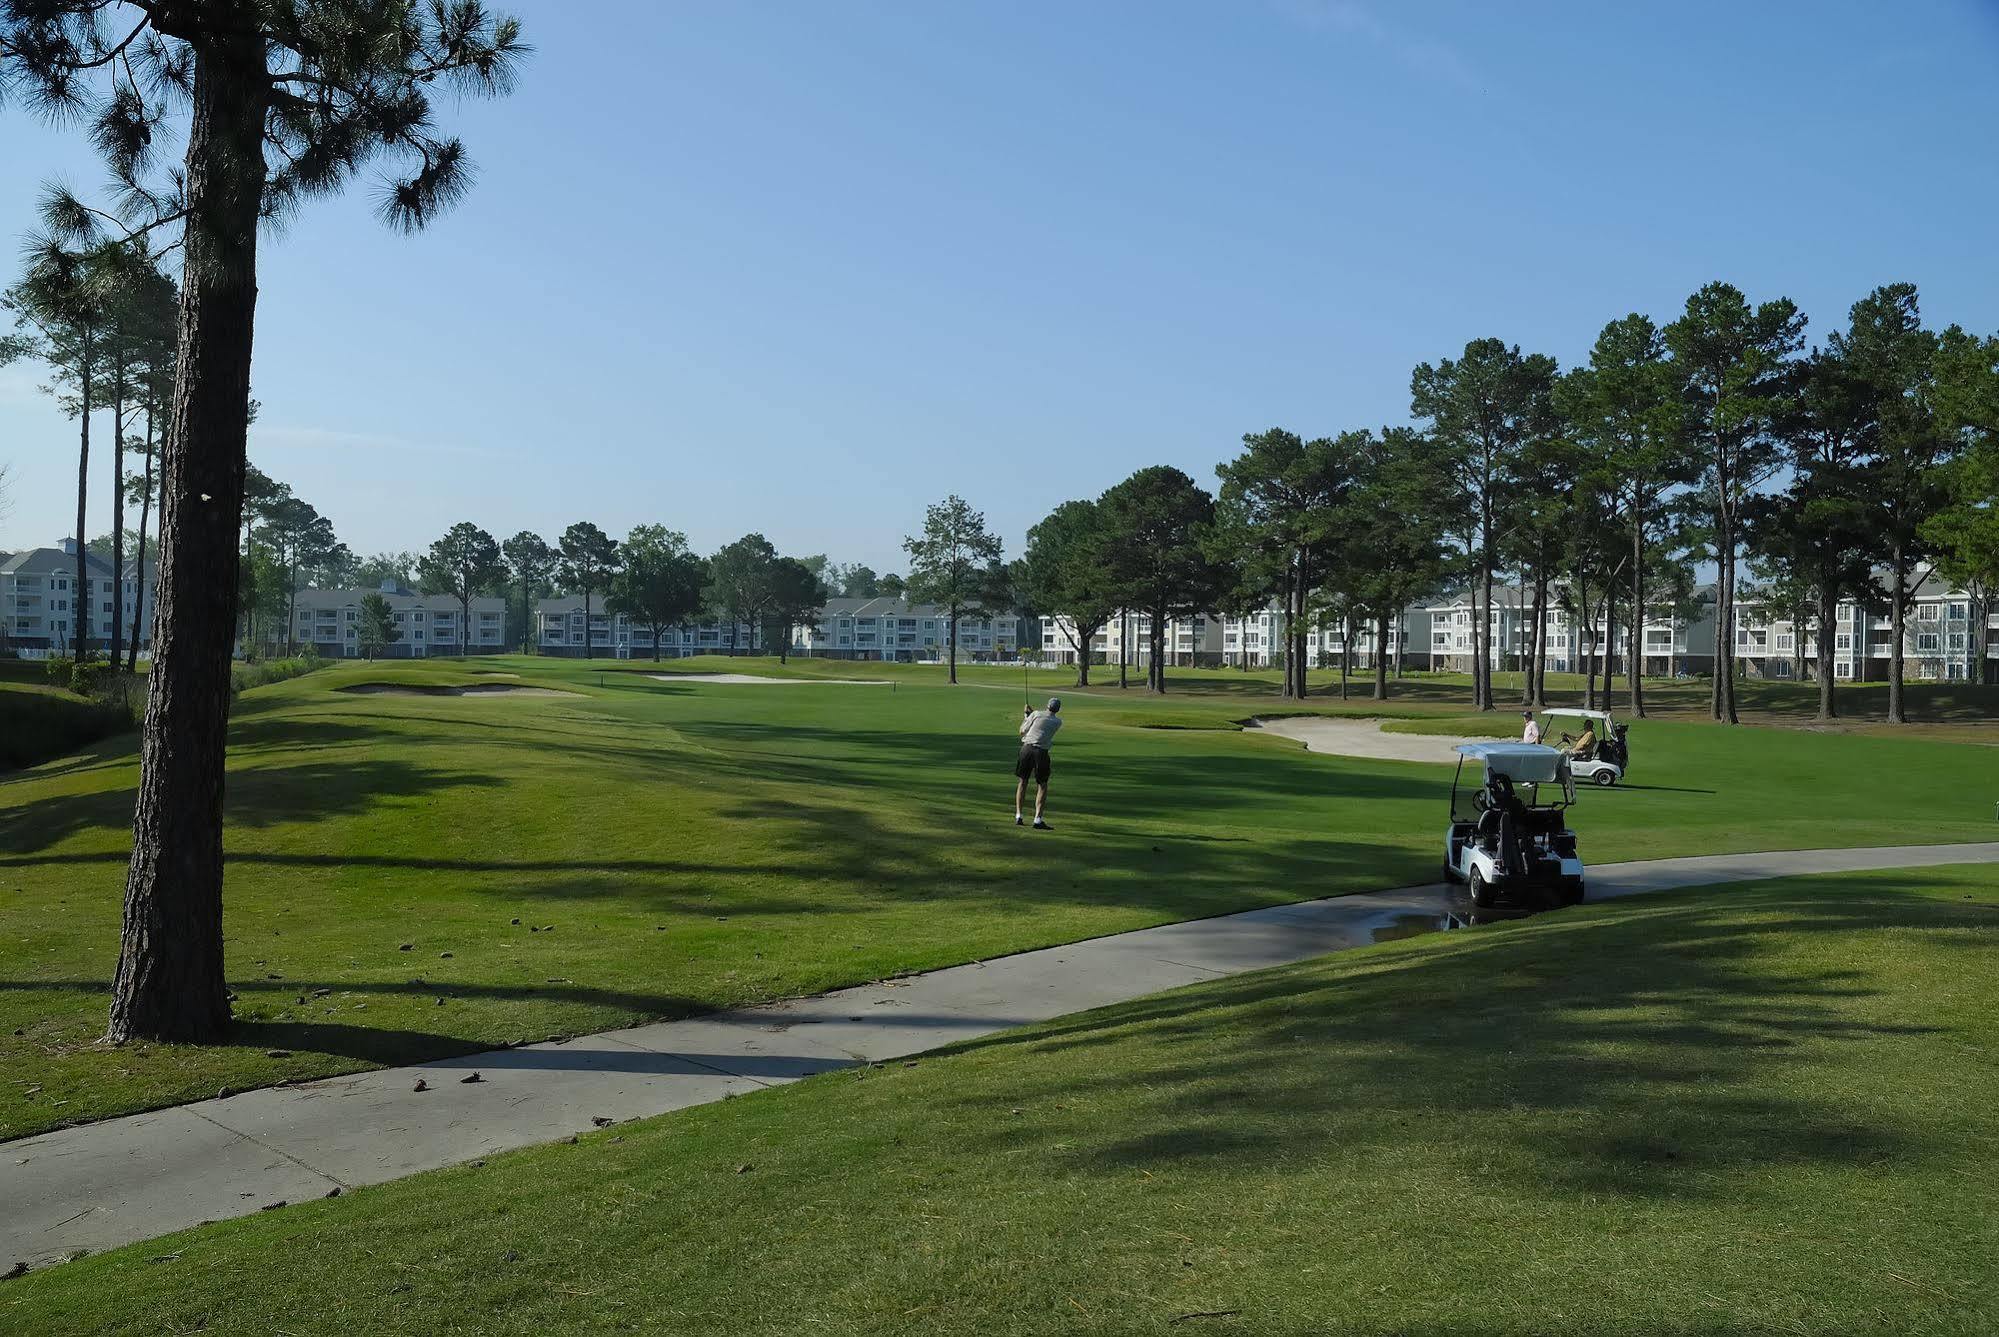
point(1362, 738)
point(756, 680)
point(481, 689)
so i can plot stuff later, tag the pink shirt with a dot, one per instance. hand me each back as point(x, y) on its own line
point(1531, 734)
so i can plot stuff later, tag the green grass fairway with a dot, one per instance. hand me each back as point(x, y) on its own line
point(637, 848)
point(1771, 1108)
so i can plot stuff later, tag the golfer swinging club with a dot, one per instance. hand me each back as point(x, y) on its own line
point(1037, 731)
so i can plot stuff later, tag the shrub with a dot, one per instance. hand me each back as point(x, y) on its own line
point(87, 675)
point(58, 669)
point(260, 673)
point(36, 726)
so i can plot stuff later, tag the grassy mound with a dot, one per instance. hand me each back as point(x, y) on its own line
point(1758, 1109)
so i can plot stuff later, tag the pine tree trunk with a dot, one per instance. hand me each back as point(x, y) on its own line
point(170, 983)
point(1541, 657)
point(1156, 670)
point(139, 568)
point(1533, 646)
point(1380, 661)
point(1609, 642)
point(1588, 646)
point(80, 605)
point(1481, 628)
point(1898, 613)
point(1724, 667)
point(1635, 669)
point(1828, 638)
point(118, 509)
point(1123, 653)
point(951, 635)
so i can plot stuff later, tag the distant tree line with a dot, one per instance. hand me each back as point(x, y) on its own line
point(1853, 470)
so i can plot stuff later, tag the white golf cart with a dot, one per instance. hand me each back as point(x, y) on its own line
point(1508, 836)
point(1605, 760)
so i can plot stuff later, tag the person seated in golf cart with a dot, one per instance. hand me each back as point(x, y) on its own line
point(1584, 748)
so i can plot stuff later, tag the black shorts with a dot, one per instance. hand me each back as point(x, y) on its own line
point(1033, 765)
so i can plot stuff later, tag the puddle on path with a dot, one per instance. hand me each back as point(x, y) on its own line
point(1458, 913)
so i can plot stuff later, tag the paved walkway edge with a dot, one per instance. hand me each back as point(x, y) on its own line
point(101, 1185)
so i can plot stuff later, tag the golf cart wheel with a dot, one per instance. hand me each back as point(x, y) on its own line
point(1572, 892)
point(1481, 892)
point(1450, 873)
point(1604, 779)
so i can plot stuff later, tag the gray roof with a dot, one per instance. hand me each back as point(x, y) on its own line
point(883, 606)
point(54, 561)
point(443, 603)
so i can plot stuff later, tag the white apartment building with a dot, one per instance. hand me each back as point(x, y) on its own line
point(894, 629)
point(559, 630)
point(1949, 635)
point(426, 624)
point(1675, 645)
point(1254, 640)
point(1190, 641)
point(1257, 641)
point(41, 610)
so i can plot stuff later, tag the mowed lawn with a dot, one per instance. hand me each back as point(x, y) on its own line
point(414, 876)
point(1768, 1108)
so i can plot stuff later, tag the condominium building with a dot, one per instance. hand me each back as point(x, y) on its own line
point(41, 610)
point(890, 629)
point(1949, 635)
point(426, 624)
point(1253, 640)
point(559, 629)
point(1257, 641)
point(1191, 642)
point(1676, 643)
point(894, 629)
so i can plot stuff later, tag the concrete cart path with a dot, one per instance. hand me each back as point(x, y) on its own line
point(100, 1185)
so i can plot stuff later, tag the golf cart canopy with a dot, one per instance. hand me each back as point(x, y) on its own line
point(1522, 763)
point(1596, 716)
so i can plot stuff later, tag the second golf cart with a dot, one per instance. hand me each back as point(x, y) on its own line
point(1508, 834)
point(1601, 761)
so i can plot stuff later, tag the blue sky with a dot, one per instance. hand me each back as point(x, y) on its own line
point(804, 267)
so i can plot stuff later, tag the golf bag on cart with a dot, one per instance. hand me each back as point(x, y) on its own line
point(1615, 750)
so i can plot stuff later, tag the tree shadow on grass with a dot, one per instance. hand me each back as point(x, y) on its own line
point(388, 1044)
point(1650, 1051)
point(255, 797)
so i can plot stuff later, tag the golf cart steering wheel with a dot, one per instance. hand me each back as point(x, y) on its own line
point(1481, 799)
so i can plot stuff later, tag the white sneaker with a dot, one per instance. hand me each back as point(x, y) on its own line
point(1018, 820)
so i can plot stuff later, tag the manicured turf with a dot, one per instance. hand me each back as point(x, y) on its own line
point(1766, 1108)
point(669, 847)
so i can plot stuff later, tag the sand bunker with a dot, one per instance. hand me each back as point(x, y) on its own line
point(756, 681)
point(477, 689)
point(1361, 738)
